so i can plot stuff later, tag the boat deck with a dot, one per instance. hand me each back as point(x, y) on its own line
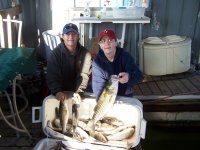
point(170, 91)
point(9, 139)
point(186, 83)
point(177, 92)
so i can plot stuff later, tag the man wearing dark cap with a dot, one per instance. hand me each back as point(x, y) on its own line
point(112, 60)
point(69, 65)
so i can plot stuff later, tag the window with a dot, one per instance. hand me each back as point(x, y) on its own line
point(101, 3)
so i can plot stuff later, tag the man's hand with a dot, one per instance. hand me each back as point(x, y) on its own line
point(76, 98)
point(123, 77)
point(61, 96)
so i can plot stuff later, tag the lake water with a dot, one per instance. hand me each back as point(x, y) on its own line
point(172, 136)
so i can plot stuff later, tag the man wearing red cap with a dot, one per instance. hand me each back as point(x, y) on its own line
point(112, 60)
point(69, 65)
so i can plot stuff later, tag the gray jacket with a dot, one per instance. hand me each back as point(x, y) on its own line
point(67, 72)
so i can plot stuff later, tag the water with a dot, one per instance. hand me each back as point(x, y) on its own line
point(172, 136)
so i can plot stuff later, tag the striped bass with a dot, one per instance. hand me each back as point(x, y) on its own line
point(105, 102)
point(80, 134)
point(63, 115)
point(112, 121)
point(58, 129)
point(100, 137)
point(76, 100)
point(116, 130)
point(124, 134)
point(104, 127)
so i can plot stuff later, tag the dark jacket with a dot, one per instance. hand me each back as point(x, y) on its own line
point(102, 69)
point(67, 72)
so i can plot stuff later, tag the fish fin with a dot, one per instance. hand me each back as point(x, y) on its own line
point(92, 132)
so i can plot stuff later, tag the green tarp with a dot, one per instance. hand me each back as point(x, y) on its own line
point(15, 61)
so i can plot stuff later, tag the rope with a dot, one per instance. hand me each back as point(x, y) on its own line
point(15, 108)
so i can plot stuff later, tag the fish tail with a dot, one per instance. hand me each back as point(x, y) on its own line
point(90, 127)
point(92, 132)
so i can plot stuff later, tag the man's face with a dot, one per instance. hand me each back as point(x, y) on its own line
point(107, 45)
point(70, 39)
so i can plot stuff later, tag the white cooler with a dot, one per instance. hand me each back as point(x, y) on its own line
point(129, 110)
point(166, 55)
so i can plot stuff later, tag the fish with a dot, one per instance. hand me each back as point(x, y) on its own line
point(63, 115)
point(104, 103)
point(116, 130)
point(100, 137)
point(56, 123)
point(104, 127)
point(49, 124)
point(124, 134)
point(57, 112)
point(76, 100)
point(81, 134)
point(58, 129)
point(112, 121)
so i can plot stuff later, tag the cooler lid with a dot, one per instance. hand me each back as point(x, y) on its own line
point(164, 40)
point(154, 40)
point(173, 39)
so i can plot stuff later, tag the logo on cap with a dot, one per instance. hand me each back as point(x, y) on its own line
point(107, 32)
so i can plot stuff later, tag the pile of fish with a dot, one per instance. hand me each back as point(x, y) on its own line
point(100, 127)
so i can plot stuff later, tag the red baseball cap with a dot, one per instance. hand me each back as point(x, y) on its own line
point(107, 32)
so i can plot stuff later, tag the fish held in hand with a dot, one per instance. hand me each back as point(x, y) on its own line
point(63, 115)
point(76, 100)
point(105, 101)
